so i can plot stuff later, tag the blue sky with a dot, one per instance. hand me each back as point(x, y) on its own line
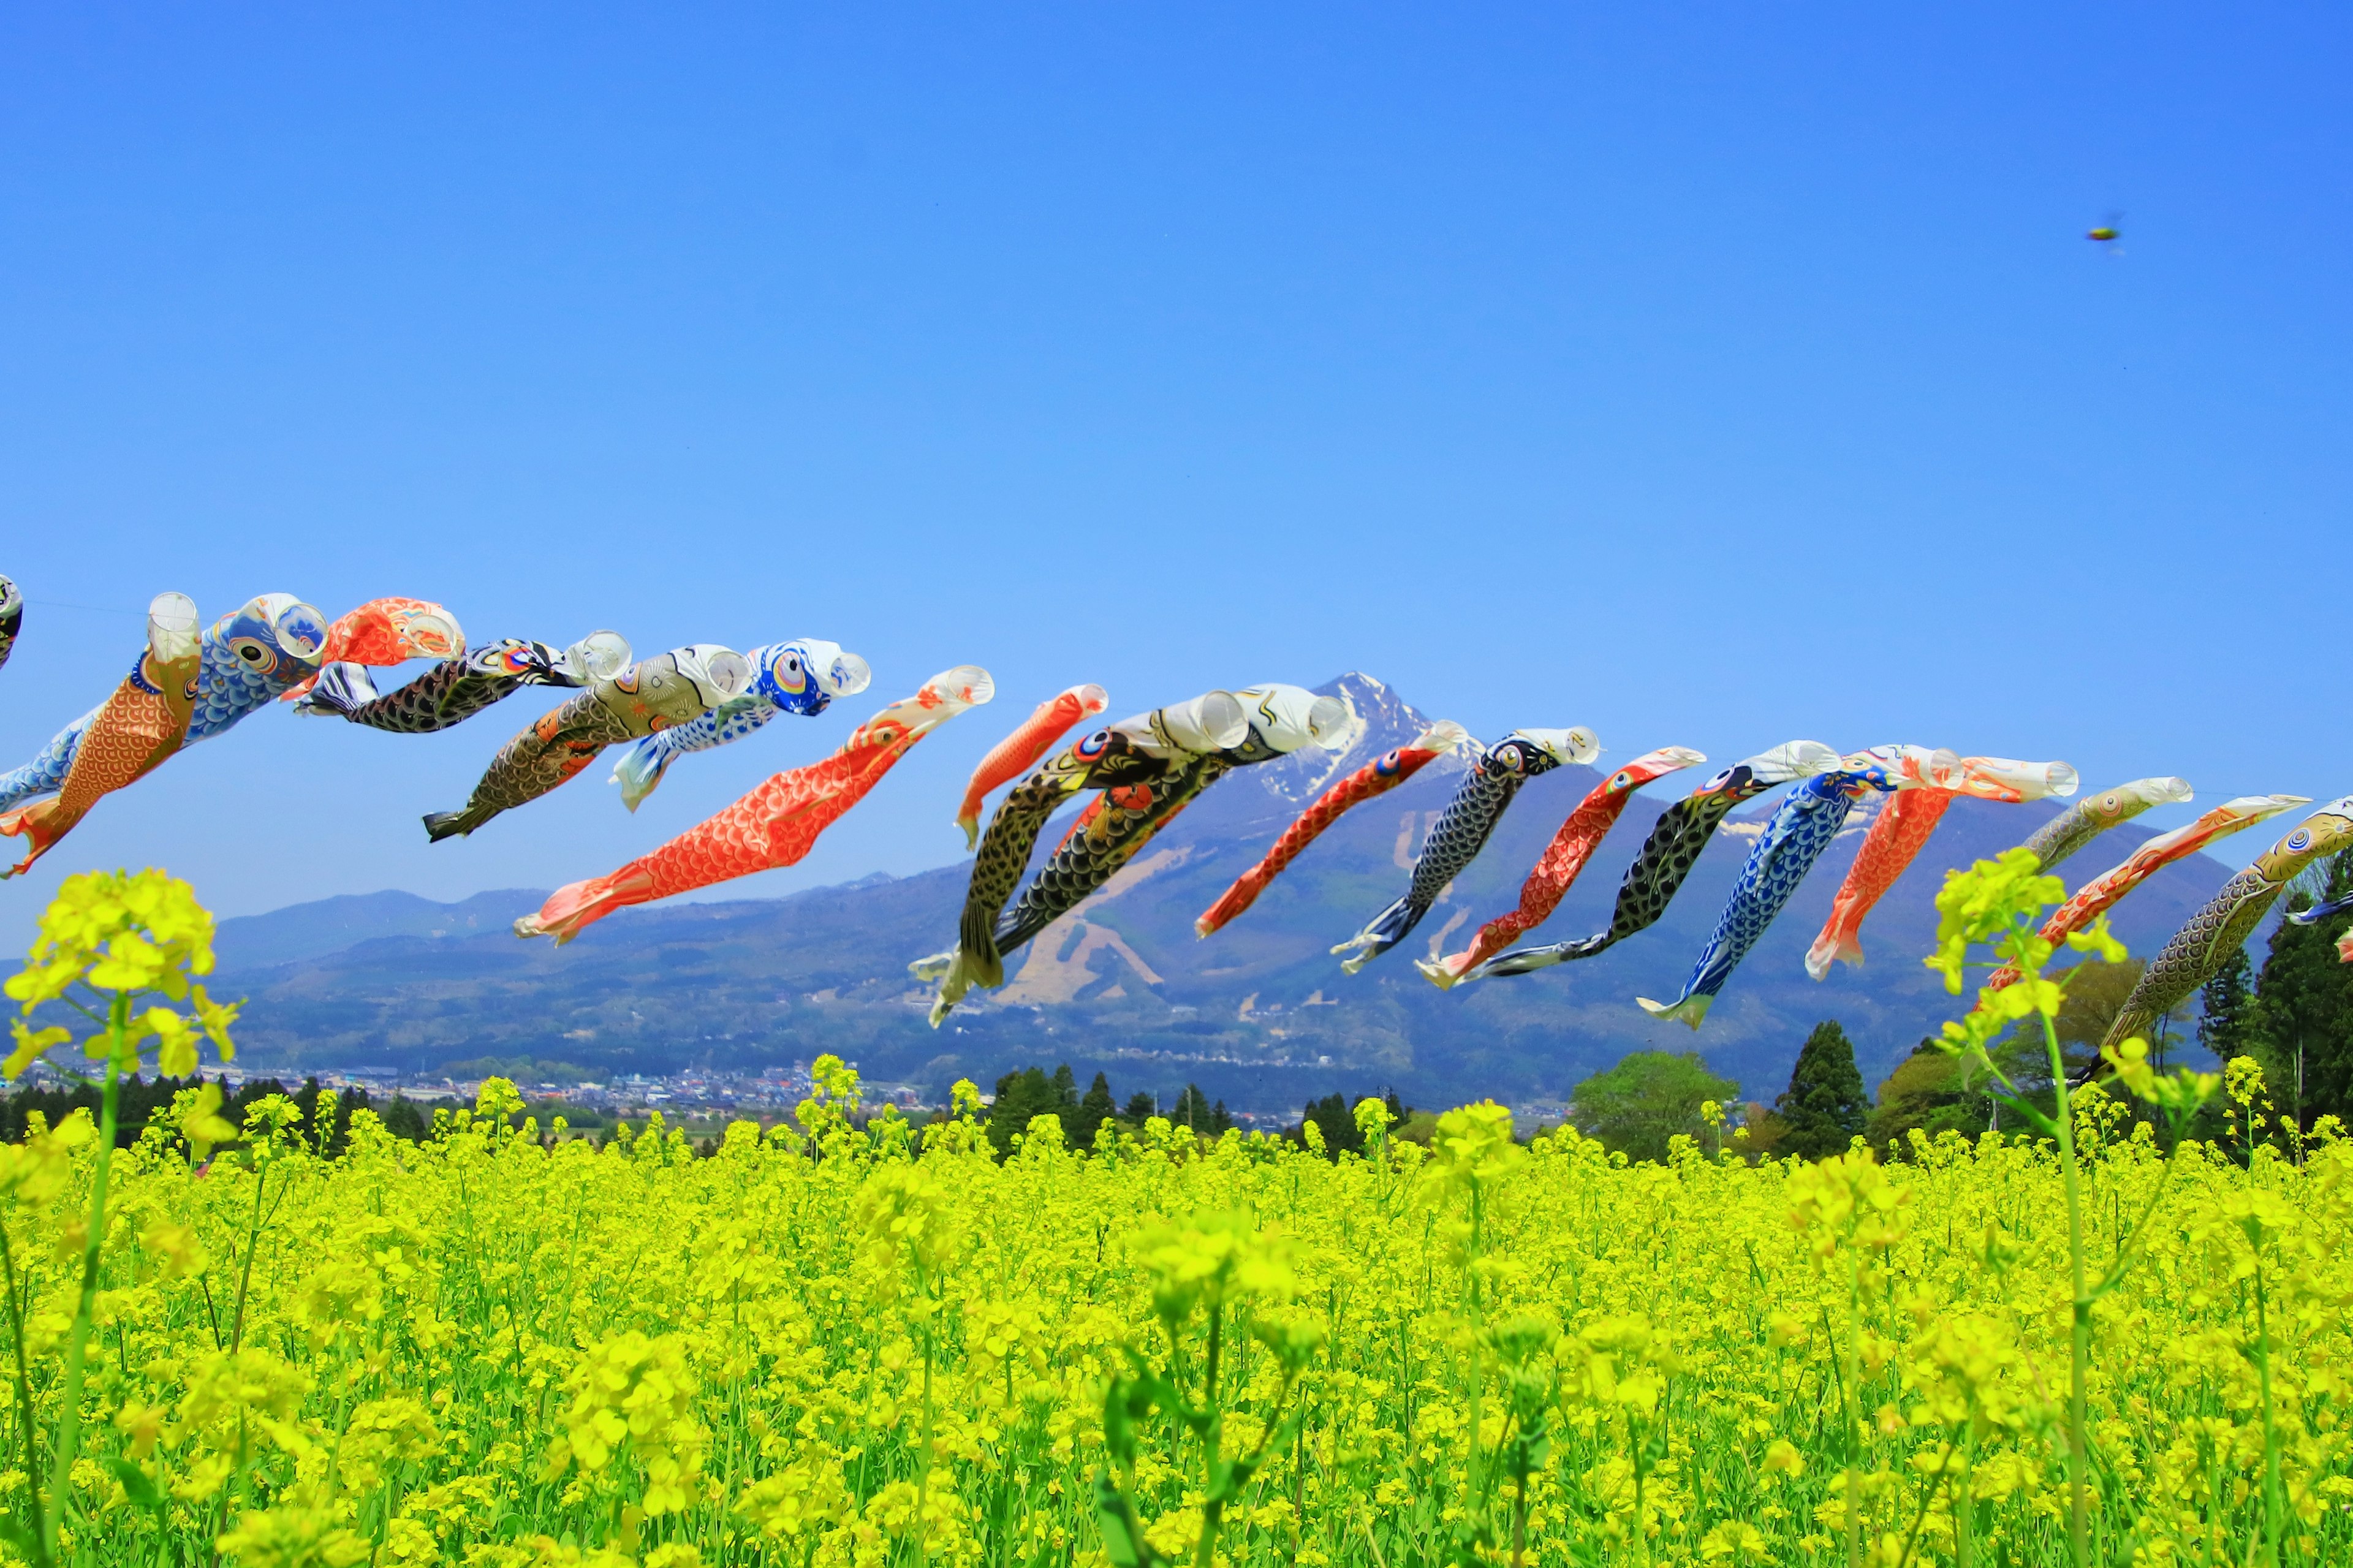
point(1712, 377)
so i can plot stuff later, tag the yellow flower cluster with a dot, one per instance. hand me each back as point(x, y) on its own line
point(484, 1351)
point(858, 1344)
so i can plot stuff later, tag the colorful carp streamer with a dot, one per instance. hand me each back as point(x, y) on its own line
point(803, 677)
point(2198, 949)
point(1119, 822)
point(1667, 854)
point(247, 658)
point(1901, 831)
point(1791, 843)
point(1461, 829)
point(1019, 753)
point(386, 632)
point(1137, 754)
point(776, 824)
point(12, 617)
point(1376, 778)
point(2094, 814)
point(455, 689)
point(1561, 862)
point(2099, 895)
point(652, 694)
point(144, 722)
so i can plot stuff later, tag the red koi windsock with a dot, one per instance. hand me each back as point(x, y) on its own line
point(386, 632)
point(1901, 831)
point(776, 824)
point(1374, 778)
point(1019, 751)
point(1558, 867)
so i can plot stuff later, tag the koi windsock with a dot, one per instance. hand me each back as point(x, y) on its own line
point(456, 688)
point(385, 632)
point(1119, 822)
point(1149, 750)
point(1901, 831)
point(776, 824)
point(2197, 951)
point(144, 722)
point(802, 677)
point(1788, 848)
point(1461, 829)
point(2096, 897)
point(1562, 860)
point(244, 659)
point(652, 694)
point(1667, 854)
point(1374, 779)
point(12, 617)
point(1020, 751)
point(2096, 814)
point(1279, 720)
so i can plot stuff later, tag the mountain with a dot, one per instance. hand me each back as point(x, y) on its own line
point(1260, 1015)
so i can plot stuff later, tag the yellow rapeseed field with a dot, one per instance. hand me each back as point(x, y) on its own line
point(837, 1345)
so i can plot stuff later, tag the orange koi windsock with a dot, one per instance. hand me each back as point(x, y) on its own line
point(1558, 867)
point(144, 722)
point(1019, 753)
point(385, 632)
point(2096, 897)
point(776, 824)
point(1901, 831)
point(1374, 778)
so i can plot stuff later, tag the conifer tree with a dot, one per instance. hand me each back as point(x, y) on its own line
point(2301, 1025)
point(1096, 1109)
point(1824, 1106)
point(1021, 1096)
point(1193, 1110)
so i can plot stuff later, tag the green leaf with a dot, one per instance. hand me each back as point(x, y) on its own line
point(1123, 1539)
point(135, 1485)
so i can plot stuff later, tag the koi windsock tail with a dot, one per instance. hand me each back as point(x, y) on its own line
point(440, 825)
point(572, 909)
point(1019, 751)
point(1839, 943)
point(38, 826)
point(1387, 929)
point(344, 688)
point(1690, 1010)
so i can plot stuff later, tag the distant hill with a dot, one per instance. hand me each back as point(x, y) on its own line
point(1259, 1015)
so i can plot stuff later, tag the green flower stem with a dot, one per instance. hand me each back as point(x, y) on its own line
point(69, 1443)
point(2272, 1522)
point(25, 1425)
point(2078, 1529)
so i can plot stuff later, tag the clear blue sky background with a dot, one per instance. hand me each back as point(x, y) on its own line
point(1711, 377)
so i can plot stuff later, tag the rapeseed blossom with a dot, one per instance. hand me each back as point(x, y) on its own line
point(853, 1344)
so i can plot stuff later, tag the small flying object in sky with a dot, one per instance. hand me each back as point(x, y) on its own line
point(2107, 233)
